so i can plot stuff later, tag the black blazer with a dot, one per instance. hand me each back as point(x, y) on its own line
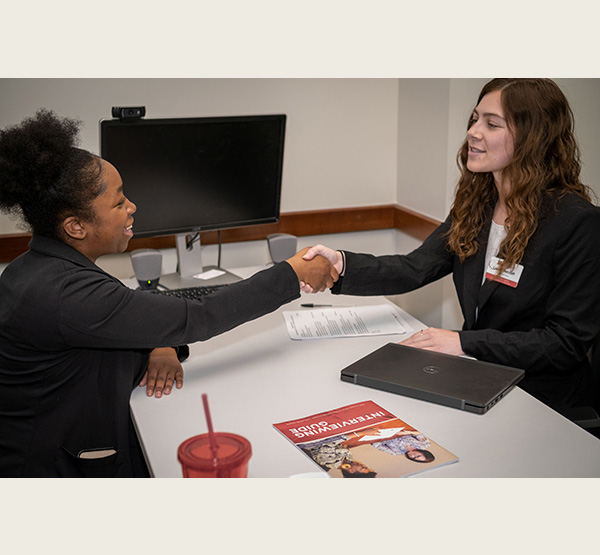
point(545, 325)
point(74, 342)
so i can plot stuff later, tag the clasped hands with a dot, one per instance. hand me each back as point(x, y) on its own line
point(317, 268)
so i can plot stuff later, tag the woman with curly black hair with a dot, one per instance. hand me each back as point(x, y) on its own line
point(521, 242)
point(74, 341)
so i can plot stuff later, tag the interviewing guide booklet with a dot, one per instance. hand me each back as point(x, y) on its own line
point(364, 440)
point(355, 321)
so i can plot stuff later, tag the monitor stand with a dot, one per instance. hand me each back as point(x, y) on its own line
point(189, 260)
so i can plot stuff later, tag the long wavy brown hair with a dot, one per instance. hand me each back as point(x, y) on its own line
point(546, 159)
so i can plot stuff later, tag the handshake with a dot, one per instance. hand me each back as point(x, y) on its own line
point(317, 268)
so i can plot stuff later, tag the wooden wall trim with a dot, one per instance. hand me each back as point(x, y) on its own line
point(315, 222)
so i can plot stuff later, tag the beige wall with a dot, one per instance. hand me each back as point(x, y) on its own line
point(350, 142)
point(341, 137)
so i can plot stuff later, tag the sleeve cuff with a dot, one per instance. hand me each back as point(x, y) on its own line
point(183, 352)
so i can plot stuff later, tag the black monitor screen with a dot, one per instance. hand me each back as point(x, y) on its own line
point(194, 174)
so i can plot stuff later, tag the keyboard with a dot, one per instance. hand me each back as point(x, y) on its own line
point(192, 293)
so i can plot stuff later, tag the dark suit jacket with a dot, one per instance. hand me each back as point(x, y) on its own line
point(74, 342)
point(545, 325)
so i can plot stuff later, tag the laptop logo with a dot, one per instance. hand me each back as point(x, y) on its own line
point(431, 369)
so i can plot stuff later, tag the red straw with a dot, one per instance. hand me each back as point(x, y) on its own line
point(211, 433)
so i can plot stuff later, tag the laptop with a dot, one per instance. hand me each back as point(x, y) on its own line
point(462, 383)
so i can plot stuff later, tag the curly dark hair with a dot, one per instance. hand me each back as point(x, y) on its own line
point(44, 176)
point(546, 160)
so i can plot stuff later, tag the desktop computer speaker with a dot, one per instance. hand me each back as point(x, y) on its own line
point(147, 265)
point(282, 246)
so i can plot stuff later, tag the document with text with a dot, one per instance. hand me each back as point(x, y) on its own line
point(353, 321)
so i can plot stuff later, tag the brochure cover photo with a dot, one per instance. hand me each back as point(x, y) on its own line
point(364, 440)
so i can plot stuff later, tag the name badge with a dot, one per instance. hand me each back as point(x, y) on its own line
point(509, 277)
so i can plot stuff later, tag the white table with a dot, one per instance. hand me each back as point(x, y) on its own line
point(255, 376)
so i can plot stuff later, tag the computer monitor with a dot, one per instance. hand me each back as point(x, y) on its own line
point(188, 175)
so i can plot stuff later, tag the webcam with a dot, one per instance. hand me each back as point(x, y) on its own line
point(129, 114)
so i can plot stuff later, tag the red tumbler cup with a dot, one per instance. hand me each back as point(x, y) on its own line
point(197, 461)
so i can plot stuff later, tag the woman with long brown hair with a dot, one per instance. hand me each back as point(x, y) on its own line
point(520, 241)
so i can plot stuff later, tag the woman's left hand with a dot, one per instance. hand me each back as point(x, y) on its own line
point(163, 369)
point(434, 339)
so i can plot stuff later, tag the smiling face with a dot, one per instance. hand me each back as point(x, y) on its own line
point(113, 225)
point(111, 228)
point(491, 144)
point(416, 456)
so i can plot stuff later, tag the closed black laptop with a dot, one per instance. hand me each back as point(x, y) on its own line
point(458, 382)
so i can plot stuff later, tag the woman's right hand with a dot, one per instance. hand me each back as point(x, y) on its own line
point(316, 273)
point(334, 257)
